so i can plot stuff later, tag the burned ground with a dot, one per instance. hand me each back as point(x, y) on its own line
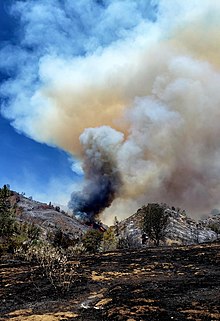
point(165, 283)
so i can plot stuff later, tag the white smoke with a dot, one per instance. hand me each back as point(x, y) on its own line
point(147, 69)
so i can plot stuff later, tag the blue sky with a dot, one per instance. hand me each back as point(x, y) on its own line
point(27, 166)
point(31, 167)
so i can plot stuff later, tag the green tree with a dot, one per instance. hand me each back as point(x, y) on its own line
point(155, 222)
point(92, 240)
point(109, 242)
point(33, 232)
point(215, 227)
point(13, 234)
point(7, 217)
point(62, 239)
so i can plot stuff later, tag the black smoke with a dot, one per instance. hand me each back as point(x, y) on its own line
point(102, 177)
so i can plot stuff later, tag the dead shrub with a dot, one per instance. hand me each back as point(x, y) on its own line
point(54, 264)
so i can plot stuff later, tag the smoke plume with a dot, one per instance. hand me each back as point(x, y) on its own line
point(102, 177)
point(131, 88)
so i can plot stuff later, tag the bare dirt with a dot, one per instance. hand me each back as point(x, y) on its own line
point(165, 283)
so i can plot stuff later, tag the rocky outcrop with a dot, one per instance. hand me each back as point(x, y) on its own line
point(181, 229)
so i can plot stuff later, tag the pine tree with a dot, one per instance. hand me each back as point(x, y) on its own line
point(7, 218)
point(155, 222)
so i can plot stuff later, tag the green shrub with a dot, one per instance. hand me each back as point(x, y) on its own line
point(92, 240)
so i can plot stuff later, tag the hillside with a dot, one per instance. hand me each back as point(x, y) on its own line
point(181, 229)
point(47, 217)
point(46, 283)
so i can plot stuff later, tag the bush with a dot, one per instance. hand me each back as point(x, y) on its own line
point(92, 240)
point(61, 239)
point(54, 265)
point(127, 242)
point(13, 234)
point(76, 250)
point(3, 248)
point(215, 227)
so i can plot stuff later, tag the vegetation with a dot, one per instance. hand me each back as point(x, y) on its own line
point(7, 218)
point(215, 227)
point(155, 222)
point(127, 241)
point(92, 240)
point(8, 223)
point(109, 242)
point(53, 263)
point(23, 240)
point(13, 234)
point(52, 253)
point(61, 240)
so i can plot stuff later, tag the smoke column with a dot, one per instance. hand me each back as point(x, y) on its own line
point(131, 88)
point(102, 177)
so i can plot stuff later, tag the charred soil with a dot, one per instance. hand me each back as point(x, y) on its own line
point(164, 283)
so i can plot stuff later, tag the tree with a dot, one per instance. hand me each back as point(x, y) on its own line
point(155, 222)
point(7, 218)
point(62, 239)
point(116, 226)
point(13, 234)
point(215, 227)
point(109, 242)
point(92, 240)
point(33, 232)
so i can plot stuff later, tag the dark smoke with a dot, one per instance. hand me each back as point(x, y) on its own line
point(102, 177)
